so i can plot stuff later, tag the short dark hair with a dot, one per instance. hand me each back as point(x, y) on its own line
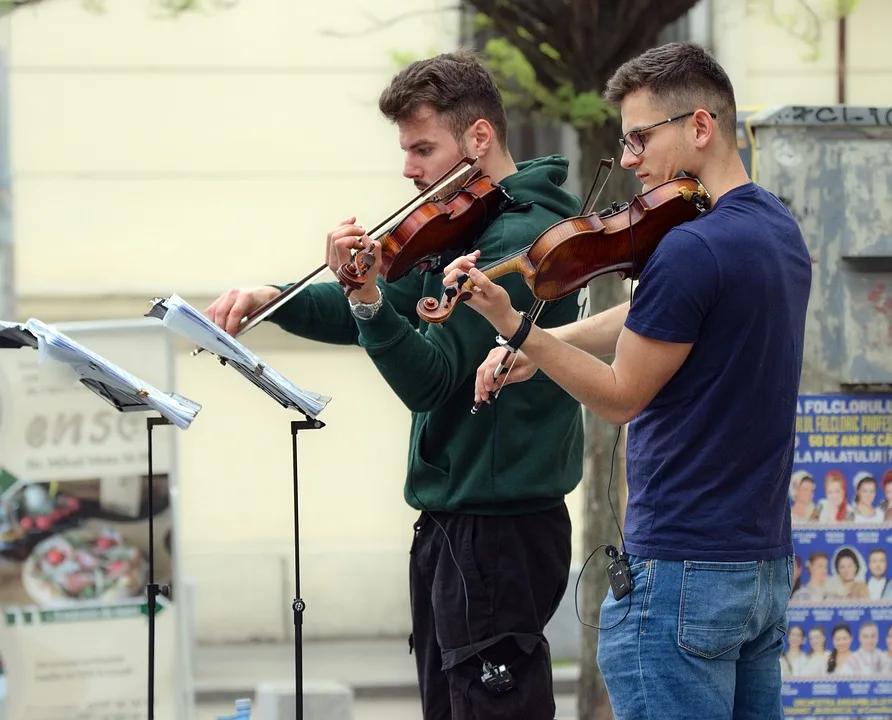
point(681, 77)
point(846, 553)
point(456, 85)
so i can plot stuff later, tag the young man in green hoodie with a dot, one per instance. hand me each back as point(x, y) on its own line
point(490, 557)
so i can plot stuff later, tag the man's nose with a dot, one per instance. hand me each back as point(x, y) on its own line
point(411, 171)
point(629, 159)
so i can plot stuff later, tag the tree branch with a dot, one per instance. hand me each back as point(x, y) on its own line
point(376, 25)
point(508, 17)
point(173, 7)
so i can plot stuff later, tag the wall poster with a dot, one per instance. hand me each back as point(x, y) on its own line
point(837, 659)
point(74, 514)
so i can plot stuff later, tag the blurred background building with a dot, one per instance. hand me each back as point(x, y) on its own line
point(145, 156)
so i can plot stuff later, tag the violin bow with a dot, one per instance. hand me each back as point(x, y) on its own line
point(604, 163)
point(537, 306)
point(451, 181)
point(534, 315)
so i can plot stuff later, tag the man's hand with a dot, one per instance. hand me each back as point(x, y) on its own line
point(371, 252)
point(522, 369)
point(460, 265)
point(228, 310)
point(342, 242)
point(487, 298)
point(349, 228)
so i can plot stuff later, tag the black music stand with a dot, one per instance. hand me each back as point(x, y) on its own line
point(192, 325)
point(125, 393)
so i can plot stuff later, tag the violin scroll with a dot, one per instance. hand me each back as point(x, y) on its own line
point(434, 312)
point(352, 274)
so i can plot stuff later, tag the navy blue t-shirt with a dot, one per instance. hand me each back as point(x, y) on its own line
point(709, 459)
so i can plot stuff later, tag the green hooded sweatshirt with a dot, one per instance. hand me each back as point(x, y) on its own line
point(523, 452)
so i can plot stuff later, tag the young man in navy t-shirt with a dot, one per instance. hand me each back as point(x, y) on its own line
point(706, 372)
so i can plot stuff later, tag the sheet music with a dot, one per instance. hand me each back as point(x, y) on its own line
point(184, 320)
point(93, 370)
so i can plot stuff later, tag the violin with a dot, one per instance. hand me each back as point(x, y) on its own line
point(434, 233)
point(574, 251)
point(428, 232)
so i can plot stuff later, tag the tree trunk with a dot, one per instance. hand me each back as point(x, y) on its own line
point(599, 525)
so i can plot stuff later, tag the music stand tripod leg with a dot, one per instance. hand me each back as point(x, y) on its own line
point(153, 590)
point(298, 604)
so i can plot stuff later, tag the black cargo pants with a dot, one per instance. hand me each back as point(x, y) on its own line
point(513, 573)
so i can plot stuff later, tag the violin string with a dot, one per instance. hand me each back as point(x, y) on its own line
point(423, 196)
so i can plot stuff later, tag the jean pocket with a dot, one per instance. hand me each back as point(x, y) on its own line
point(718, 600)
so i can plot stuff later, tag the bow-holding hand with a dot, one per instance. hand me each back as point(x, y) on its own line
point(490, 300)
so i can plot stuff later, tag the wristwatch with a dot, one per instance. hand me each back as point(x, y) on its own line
point(366, 311)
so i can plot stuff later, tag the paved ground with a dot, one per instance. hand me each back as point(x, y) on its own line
point(380, 672)
point(385, 709)
point(373, 668)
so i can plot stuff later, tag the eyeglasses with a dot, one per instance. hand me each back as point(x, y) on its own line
point(635, 142)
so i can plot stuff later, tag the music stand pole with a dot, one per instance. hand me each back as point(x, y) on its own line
point(298, 604)
point(153, 590)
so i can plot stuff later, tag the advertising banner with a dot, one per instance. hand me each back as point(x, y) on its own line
point(838, 649)
point(74, 519)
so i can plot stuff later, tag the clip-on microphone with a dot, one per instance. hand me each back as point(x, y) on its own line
point(497, 679)
point(618, 573)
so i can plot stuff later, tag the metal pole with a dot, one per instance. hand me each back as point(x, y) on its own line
point(7, 269)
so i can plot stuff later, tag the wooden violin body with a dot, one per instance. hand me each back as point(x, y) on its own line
point(574, 251)
point(434, 233)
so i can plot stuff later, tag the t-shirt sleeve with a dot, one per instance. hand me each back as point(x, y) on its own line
point(676, 289)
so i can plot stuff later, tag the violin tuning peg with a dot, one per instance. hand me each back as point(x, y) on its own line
point(462, 279)
point(450, 292)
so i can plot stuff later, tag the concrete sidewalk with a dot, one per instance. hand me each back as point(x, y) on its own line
point(372, 668)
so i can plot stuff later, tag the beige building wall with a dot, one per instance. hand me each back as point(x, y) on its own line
point(156, 156)
point(153, 156)
point(769, 67)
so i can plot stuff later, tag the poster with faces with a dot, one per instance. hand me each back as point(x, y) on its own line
point(838, 648)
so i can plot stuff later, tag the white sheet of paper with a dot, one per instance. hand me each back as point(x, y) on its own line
point(54, 346)
point(187, 322)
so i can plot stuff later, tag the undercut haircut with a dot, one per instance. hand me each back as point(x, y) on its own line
point(681, 77)
point(455, 85)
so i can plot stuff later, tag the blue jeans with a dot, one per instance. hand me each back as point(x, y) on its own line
point(701, 640)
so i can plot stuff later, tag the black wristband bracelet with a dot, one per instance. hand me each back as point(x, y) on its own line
point(516, 340)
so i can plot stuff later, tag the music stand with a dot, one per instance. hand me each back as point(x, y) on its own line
point(125, 393)
point(184, 320)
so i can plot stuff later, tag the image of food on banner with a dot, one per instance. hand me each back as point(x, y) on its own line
point(843, 460)
point(842, 565)
point(69, 542)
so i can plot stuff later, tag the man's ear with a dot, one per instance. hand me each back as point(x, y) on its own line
point(704, 128)
point(480, 137)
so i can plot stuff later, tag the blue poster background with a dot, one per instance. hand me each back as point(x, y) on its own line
point(838, 648)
